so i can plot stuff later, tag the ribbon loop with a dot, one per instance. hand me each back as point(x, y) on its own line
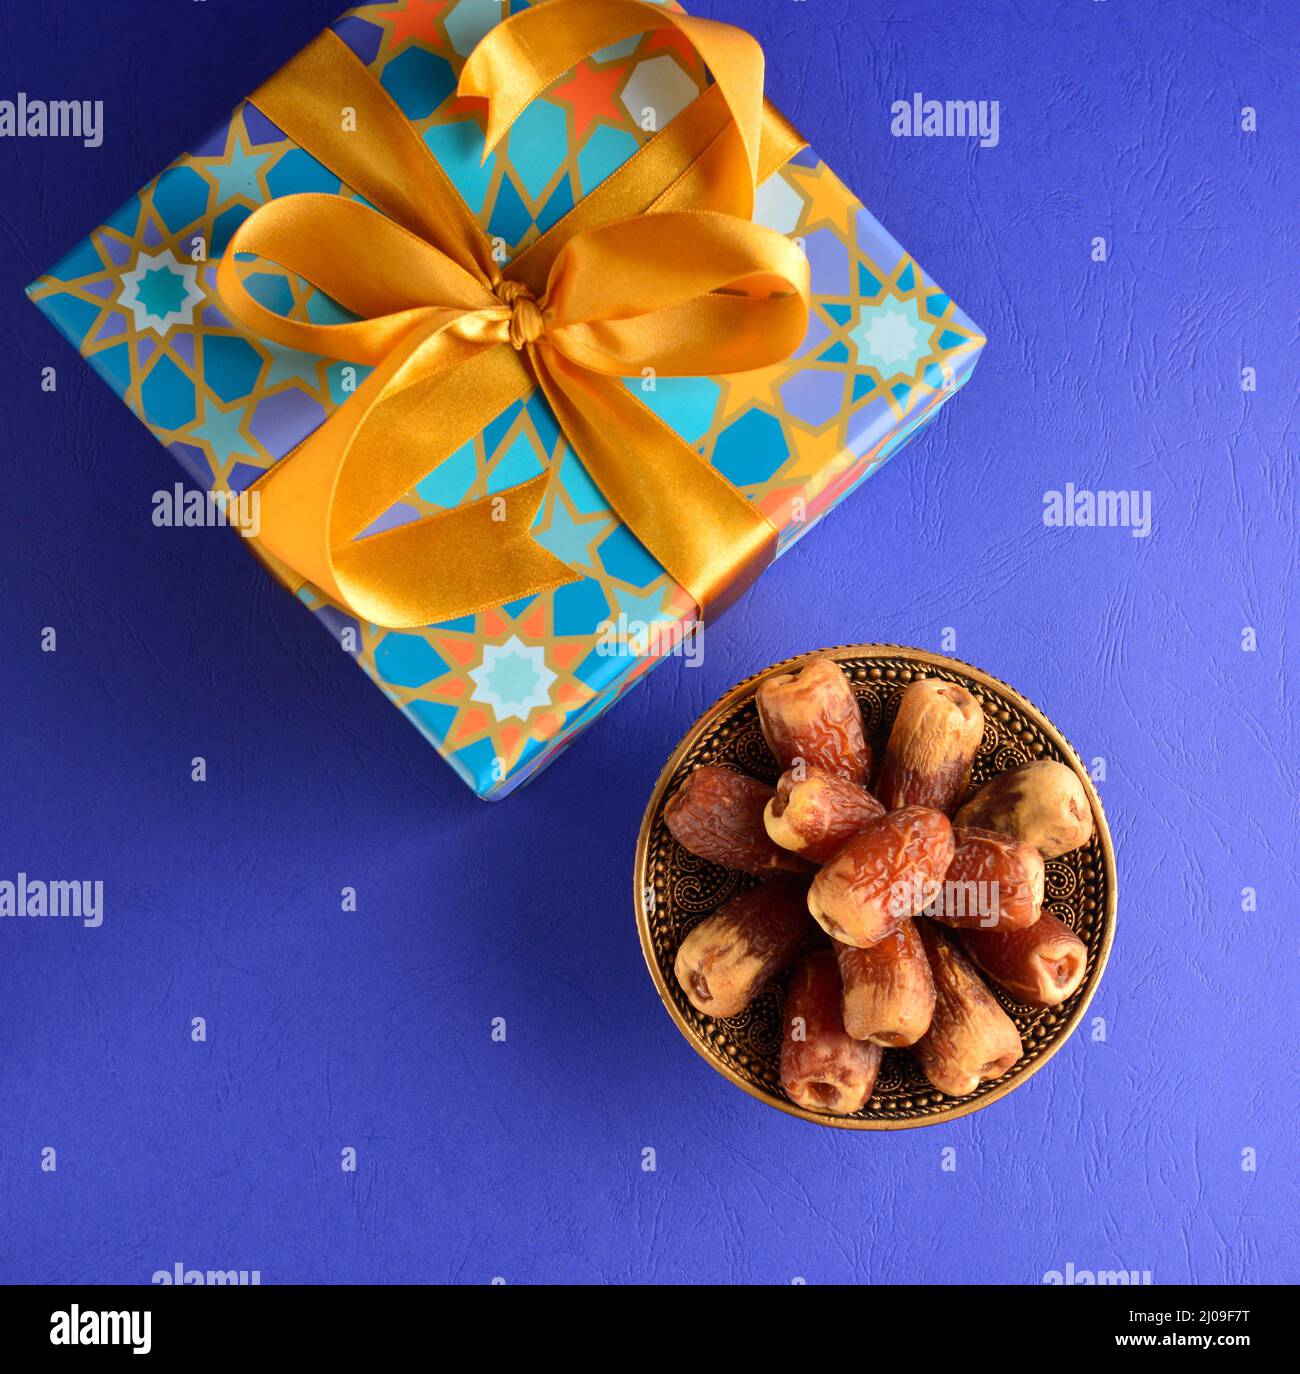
point(683, 294)
point(521, 56)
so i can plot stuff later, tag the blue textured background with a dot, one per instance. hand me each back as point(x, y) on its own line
point(523, 1159)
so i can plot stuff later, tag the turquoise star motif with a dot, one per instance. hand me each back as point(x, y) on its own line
point(513, 679)
point(220, 429)
point(161, 292)
point(892, 337)
point(642, 627)
point(288, 365)
point(644, 609)
point(237, 176)
point(568, 539)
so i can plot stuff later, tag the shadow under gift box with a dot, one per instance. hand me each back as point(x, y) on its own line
point(501, 693)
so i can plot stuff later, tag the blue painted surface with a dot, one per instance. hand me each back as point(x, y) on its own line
point(371, 1030)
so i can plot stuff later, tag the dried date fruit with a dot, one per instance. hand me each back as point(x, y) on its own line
point(993, 882)
point(1042, 803)
point(822, 1067)
point(812, 720)
point(932, 746)
point(718, 815)
point(1043, 964)
point(730, 957)
point(971, 1038)
point(814, 815)
point(888, 872)
point(888, 989)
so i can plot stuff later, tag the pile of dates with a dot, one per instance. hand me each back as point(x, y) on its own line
point(920, 889)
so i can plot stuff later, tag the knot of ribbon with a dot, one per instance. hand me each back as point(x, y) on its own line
point(526, 322)
point(658, 272)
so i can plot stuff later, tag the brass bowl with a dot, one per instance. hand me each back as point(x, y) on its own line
point(674, 890)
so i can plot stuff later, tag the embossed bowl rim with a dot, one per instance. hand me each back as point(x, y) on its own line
point(740, 694)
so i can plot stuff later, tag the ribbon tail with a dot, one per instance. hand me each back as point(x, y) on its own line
point(713, 542)
point(315, 504)
point(453, 564)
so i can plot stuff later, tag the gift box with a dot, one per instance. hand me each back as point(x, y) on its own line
point(503, 688)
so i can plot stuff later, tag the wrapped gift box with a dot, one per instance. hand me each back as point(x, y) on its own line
point(500, 693)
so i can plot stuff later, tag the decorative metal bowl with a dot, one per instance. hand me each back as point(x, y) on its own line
point(674, 890)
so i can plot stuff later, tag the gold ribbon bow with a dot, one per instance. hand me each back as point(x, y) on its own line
point(659, 268)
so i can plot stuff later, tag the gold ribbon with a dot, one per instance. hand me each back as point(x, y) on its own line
point(659, 268)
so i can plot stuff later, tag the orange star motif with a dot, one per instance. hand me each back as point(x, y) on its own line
point(756, 388)
point(416, 19)
point(591, 92)
point(676, 43)
point(828, 200)
point(820, 456)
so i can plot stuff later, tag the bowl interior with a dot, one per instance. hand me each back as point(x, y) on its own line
point(675, 890)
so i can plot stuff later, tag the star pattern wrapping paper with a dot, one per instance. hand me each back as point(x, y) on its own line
point(501, 692)
point(1161, 1140)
